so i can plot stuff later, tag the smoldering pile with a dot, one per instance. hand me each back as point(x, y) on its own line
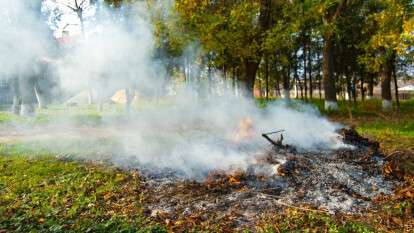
point(342, 180)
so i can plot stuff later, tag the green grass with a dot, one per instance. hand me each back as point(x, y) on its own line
point(393, 135)
point(47, 195)
point(294, 220)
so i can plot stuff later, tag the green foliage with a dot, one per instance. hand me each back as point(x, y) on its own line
point(388, 28)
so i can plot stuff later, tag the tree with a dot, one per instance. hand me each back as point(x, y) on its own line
point(235, 29)
point(388, 22)
point(331, 11)
point(56, 10)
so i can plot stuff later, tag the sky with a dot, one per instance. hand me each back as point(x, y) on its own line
point(63, 18)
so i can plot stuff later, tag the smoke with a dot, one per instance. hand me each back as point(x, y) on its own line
point(183, 132)
point(195, 138)
point(24, 37)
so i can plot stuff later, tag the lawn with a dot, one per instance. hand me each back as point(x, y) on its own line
point(49, 193)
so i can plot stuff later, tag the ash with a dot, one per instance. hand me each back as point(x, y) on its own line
point(343, 180)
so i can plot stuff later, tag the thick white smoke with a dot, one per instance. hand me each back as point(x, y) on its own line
point(24, 37)
point(185, 134)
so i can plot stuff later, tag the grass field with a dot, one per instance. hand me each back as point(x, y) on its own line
point(44, 194)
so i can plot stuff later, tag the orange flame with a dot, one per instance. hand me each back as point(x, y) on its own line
point(245, 130)
point(233, 180)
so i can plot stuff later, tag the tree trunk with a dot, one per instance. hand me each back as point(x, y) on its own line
point(305, 69)
point(362, 85)
point(129, 94)
point(394, 75)
point(210, 81)
point(310, 72)
point(386, 73)
point(79, 12)
point(348, 93)
point(234, 77)
point(298, 84)
point(319, 77)
point(27, 90)
point(354, 81)
point(328, 60)
point(267, 76)
point(286, 84)
point(41, 100)
point(250, 77)
point(328, 75)
point(277, 84)
point(370, 86)
point(17, 98)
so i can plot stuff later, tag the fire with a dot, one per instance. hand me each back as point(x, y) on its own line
point(234, 180)
point(245, 130)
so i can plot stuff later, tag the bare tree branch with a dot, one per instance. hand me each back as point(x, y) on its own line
point(83, 1)
point(69, 24)
point(66, 5)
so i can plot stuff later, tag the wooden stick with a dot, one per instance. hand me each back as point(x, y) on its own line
point(275, 132)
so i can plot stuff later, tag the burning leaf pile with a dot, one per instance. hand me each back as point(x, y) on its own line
point(343, 180)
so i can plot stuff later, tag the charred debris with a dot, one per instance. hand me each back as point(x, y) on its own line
point(343, 180)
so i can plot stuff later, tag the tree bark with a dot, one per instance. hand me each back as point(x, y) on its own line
point(362, 85)
point(251, 68)
point(27, 90)
point(298, 84)
point(354, 87)
point(370, 86)
point(328, 69)
point(210, 80)
point(328, 75)
point(386, 96)
point(320, 87)
point(310, 72)
point(17, 98)
point(234, 83)
point(286, 83)
point(305, 68)
point(348, 92)
point(267, 76)
point(277, 83)
point(41, 99)
point(394, 75)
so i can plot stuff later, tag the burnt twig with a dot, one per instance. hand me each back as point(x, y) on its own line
point(277, 143)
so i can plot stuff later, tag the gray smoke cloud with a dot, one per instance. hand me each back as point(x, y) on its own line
point(24, 37)
point(181, 132)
